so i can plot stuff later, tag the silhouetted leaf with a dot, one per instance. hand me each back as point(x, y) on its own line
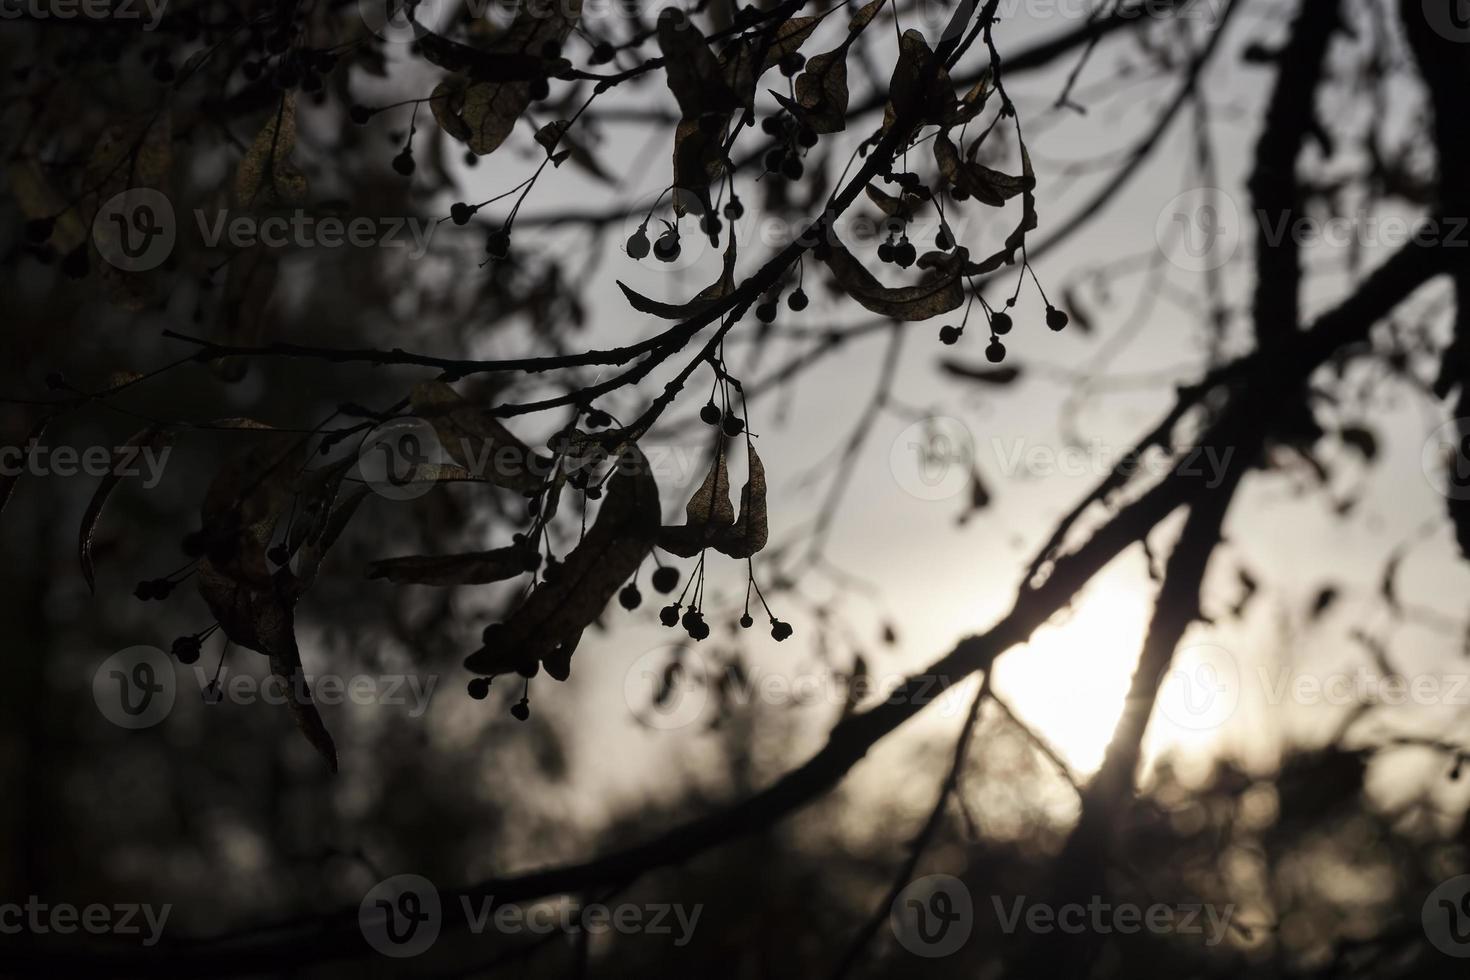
point(152, 438)
point(941, 291)
point(549, 624)
point(1003, 374)
point(470, 568)
point(10, 475)
point(266, 176)
point(477, 440)
point(710, 520)
point(711, 294)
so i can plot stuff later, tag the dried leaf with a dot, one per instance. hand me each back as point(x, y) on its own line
point(710, 520)
point(942, 290)
point(152, 438)
point(476, 106)
point(693, 73)
point(710, 295)
point(477, 441)
point(751, 530)
point(470, 568)
point(1004, 374)
point(266, 176)
point(8, 479)
point(548, 625)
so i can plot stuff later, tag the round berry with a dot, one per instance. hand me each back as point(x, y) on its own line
point(905, 254)
point(885, 252)
point(602, 53)
point(734, 210)
point(630, 597)
point(666, 248)
point(669, 615)
point(497, 243)
point(598, 419)
point(1055, 318)
point(521, 710)
point(461, 213)
point(38, 230)
point(479, 688)
point(995, 351)
point(638, 244)
point(666, 579)
point(792, 169)
point(1000, 323)
point(746, 622)
point(949, 334)
point(710, 414)
point(186, 649)
point(403, 163)
point(765, 312)
point(780, 630)
point(733, 425)
point(797, 301)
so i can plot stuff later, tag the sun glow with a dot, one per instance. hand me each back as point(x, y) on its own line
point(1070, 681)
